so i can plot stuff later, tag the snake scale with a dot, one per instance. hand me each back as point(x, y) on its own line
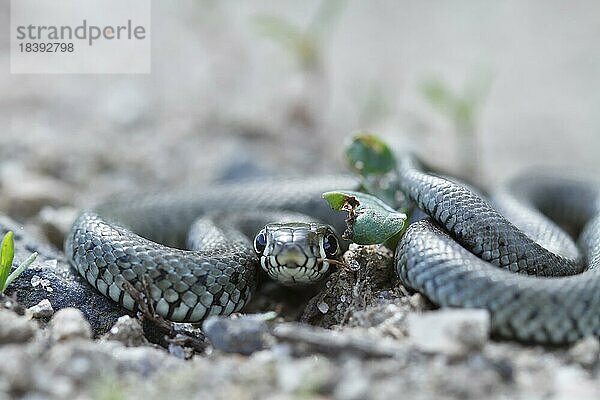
point(142, 240)
point(498, 267)
point(536, 283)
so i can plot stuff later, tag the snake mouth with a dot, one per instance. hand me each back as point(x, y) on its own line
point(291, 265)
point(295, 274)
point(291, 257)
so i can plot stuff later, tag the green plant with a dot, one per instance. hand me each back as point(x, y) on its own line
point(463, 110)
point(7, 253)
point(372, 217)
point(302, 43)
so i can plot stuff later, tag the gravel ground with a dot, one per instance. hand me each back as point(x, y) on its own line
point(224, 101)
point(382, 342)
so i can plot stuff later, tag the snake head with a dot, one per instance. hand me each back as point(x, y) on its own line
point(296, 253)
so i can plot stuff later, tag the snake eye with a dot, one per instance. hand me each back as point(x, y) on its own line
point(260, 242)
point(330, 245)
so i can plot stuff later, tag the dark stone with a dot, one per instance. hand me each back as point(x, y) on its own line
point(57, 281)
point(243, 335)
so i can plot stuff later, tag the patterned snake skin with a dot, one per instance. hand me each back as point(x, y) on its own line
point(119, 242)
point(538, 285)
point(492, 267)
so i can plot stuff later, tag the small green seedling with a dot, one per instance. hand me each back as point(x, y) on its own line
point(7, 254)
point(463, 110)
point(304, 43)
point(366, 154)
point(370, 220)
point(374, 161)
point(381, 214)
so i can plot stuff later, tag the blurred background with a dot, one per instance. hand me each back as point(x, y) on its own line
point(239, 88)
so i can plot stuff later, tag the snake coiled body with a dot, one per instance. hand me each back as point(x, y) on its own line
point(141, 240)
point(470, 255)
point(537, 284)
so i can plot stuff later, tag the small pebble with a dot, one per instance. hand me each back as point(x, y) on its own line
point(586, 352)
point(42, 309)
point(69, 323)
point(323, 307)
point(449, 331)
point(419, 302)
point(243, 335)
point(42, 283)
point(128, 331)
point(177, 351)
point(15, 328)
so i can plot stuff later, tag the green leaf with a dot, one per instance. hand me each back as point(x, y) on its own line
point(374, 160)
point(438, 94)
point(463, 115)
point(277, 28)
point(7, 254)
point(370, 220)
point(300, 44)
point(369, 155)
point(19, 270)
point(336, 200)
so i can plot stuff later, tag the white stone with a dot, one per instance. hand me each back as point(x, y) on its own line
point(69, 323)
point(41, 310)
point(449, 331)
point(586, 352)
point(323, 307)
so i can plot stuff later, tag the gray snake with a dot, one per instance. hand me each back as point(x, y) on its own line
point(459, 257)
point(492, 267)
point(142, 240)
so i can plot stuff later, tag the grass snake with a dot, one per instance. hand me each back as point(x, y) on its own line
point(538, 285)
point(145, 240)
